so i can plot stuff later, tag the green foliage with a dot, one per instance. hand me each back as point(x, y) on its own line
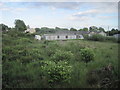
point(97, 37)
point(93, 28)
point(20, 25)
point(28, 63)
point(62, 55)
point(57, 73)
point(113, 39)
point(87, 55)
point(103, 77)
point(112, 32)
point(85, 29)
point(101, 29)
point(73, 29)
point(3, 27)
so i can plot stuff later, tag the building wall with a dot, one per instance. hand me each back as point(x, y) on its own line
point(50, 37)
point(38, 37)
point(116, 35)
point(59, 37)
point(102, 33)
point(72, 37)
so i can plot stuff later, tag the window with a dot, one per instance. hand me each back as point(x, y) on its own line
point(58, 37)
point(66, 36)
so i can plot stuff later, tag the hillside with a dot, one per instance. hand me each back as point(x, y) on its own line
point(39, 64)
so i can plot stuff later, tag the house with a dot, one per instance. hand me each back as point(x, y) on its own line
point(30, 30)
point(38, 37)
point(64, 35)
point(59, 36)
point(116, 36)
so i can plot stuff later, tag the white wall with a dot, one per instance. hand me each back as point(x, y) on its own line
point(51, 37)
point(38, 37)
point(72, 37)
point(61, 37)
point(102, 33)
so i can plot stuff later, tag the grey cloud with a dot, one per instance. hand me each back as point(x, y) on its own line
point(63, 5)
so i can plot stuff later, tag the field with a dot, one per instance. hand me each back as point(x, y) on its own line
point(57, 64)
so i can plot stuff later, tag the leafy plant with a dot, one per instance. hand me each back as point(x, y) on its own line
point(62, 55)
point(87, 55)
point(57, 73)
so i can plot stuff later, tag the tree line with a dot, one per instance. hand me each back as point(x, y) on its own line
point(20, 26)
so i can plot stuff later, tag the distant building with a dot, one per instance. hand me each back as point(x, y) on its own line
point(38, 37)
point(59, 36)
point(64, 35)
point(116, 35)
point(30, 30)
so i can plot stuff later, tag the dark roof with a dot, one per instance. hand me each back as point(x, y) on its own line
point(72, 32)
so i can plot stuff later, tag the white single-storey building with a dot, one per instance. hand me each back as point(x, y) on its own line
point(58, 36)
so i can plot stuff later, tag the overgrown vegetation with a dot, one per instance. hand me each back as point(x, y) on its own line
point(28, 63)
point(98, 37)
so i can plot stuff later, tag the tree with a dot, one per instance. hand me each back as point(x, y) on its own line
point(28, 26)
point(37, 29)
point(73, 29)
point(113, 29)
point(3, 27)
point(101, 29)
point(80, 30)
point(20, 25)
point(93, 28)
point(57, 28)
point(85, 29)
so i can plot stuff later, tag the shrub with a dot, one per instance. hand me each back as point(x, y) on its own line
point(86, 37)
point(62, 55)
point(97, 37)
point(87, 55)
point(57, 73)
point(103, 77)
point(109, 38)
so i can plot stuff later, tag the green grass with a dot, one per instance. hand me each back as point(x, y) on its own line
point(21, 52)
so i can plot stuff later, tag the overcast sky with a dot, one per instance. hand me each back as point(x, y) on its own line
point(61, 14)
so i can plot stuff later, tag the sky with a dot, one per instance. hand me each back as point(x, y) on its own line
point(61, 14)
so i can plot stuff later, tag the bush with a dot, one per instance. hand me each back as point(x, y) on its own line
point(103, 77)
point(109, 38)
point(97, 37)
point(87, 55)
point(86, 37)
point(62, 55)
point(57, 73)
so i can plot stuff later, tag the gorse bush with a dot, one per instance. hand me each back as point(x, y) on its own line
point(87, 55)
point(62, 56)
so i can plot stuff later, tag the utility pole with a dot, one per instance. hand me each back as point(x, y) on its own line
point(108, 31)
